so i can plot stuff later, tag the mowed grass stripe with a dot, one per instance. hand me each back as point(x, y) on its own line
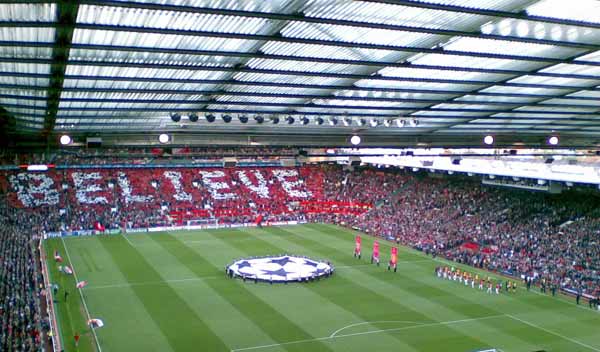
point(554, 314)
point(306, 308)
point(358, 300)
point(273, 323)
point(184, 330)
point(454, 308)
point(228, 323)
point(470, 301)
point(103, 305)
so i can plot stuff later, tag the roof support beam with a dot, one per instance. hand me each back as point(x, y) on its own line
point(67, 16)
point(313, 86)
point(306, 59)
point(329, 21)
point(334, 43)
point(282, 72)
point(537, 104)
point(486, 12)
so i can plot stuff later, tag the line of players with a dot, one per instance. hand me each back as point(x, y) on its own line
point(474, 280)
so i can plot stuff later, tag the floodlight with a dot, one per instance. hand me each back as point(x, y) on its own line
point(210, 118)
point(489, 139)
point(65, 139)
point(164, 138)
point(355, 140)
point(193, 117)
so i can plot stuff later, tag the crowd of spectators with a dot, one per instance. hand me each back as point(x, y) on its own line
point(21, 322)
point(143, 155)
point(549, 238)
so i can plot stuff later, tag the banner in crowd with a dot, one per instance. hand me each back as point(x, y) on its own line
point(210, 226)
point(334, 207)
point(104, 188)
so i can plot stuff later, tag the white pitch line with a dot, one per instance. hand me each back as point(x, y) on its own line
point(374, 322)
point(87, 312)
point(365, 333)
point(129, 284)
point(553, 333)
point(127, 239)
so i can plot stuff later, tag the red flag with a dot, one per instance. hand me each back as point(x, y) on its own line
point(99, 227)
point(258, 220)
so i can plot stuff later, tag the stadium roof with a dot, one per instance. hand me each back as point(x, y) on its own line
point(458, 68)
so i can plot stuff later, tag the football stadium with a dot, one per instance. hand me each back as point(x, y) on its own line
point(300, 175)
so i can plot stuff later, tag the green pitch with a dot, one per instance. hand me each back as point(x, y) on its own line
point(169, 292)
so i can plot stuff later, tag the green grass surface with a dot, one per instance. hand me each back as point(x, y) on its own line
point(168, 292)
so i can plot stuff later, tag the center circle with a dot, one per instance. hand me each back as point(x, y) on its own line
point(285, 268)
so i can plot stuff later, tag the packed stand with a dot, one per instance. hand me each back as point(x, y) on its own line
point(142, 156)
point(547, 238)
point(20, 314)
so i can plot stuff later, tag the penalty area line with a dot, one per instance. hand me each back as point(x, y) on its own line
point(334, 336)
point(553, 333)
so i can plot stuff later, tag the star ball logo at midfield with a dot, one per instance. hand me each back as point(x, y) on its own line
point(280, 268)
